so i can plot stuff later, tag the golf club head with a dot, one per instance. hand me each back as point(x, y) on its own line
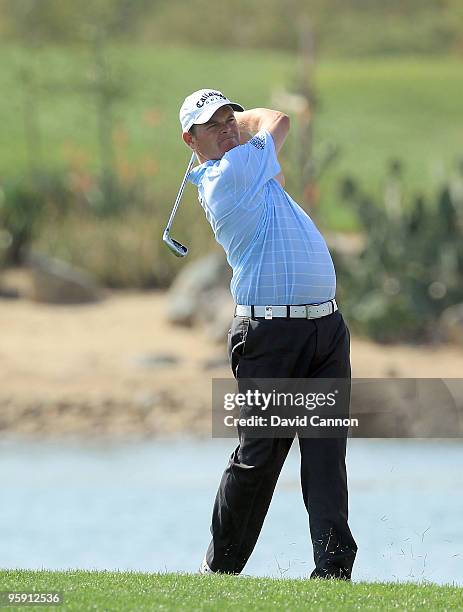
point(178, 249)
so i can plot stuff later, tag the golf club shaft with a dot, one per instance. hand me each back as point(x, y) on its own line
point(180, 193)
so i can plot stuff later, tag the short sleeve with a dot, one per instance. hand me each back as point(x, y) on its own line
point(253, 163)
point(240, 174)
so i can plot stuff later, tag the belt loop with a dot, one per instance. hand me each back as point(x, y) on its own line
point(252, 312)
point(332, 306)
point(288, 311)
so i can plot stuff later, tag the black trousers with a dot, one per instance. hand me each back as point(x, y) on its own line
point(285, 348)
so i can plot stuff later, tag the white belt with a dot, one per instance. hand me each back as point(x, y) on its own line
point(307, 311)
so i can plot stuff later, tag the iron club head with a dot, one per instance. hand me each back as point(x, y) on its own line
point(176, 247)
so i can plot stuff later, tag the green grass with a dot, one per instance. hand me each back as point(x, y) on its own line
point(92, 590)
point(385, 109)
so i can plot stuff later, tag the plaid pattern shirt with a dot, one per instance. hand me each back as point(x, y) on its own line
point(277, 254)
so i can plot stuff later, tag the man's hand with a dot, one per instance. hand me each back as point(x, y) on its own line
point(256, 119)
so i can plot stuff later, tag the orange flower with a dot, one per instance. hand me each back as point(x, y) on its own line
point(152, 116)
point(121, 136)
point(149, 166)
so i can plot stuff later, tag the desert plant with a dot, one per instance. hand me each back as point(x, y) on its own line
point(411, 266)
point(21, 210)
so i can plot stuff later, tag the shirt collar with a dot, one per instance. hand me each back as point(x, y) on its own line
point(196, 174)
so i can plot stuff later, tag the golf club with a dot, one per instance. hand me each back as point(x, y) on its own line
point(176, 247)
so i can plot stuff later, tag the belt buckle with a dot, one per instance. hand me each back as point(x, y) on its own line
point(268, 312)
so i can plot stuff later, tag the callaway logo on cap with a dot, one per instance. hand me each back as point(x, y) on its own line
point(201, 105)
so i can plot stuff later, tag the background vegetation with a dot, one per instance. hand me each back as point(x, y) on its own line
point(343, 28)
point(91, 156)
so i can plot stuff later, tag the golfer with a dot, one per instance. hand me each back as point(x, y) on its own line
point(286, 325)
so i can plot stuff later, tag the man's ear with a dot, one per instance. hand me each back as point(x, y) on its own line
point(188, 139)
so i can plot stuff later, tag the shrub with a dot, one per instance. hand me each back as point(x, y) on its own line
point(411, 266)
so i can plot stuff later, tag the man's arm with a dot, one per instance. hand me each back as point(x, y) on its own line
point(251, 121)
point(256, 119)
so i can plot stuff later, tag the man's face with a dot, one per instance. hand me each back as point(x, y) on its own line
point(213, 139)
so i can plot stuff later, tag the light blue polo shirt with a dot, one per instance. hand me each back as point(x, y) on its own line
point(277, 254)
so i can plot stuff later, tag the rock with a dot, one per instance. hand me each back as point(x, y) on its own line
point(215, 362)
point(451, 324)
point(57, 282)
point(188, 292)
point(9, 294)
point(435, 412)
point(407, 408)
point(216, 309)
point(147, 400)
point(155, 360)
point(15, 282)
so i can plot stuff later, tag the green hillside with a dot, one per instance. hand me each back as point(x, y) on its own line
point(373, 110)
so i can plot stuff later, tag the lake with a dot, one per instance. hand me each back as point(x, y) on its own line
point(146, 506)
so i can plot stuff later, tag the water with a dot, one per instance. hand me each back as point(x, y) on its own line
point(147, 507)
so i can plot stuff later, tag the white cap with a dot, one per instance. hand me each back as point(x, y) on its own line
point(201, 105)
